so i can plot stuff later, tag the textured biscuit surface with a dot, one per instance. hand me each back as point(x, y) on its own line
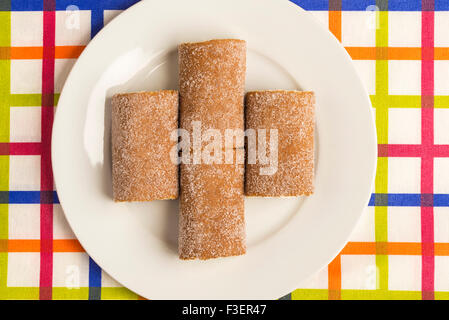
point(292, 114)
point(141, 166)
point(212, 82)
point(211, 221)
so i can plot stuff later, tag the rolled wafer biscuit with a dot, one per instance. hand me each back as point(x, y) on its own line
point(292, 114)
point(211, 221)
point(142, 169)
point(212, 84)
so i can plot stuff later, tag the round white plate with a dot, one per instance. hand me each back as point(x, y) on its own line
point(288, 239)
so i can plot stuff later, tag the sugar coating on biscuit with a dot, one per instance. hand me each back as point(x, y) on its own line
point(211, 221)
point(292, 114)
point(212, 84)
point(142, 169)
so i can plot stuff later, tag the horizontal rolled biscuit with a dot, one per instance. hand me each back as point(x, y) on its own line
point(292, 114)
point(142, 169)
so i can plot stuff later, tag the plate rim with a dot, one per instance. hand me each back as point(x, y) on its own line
point(117, 20)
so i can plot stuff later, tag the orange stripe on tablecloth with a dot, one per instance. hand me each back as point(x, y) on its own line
point(398, 53)
point(334, 278)
point(393, 248)
point(441, 249)
point(362, 53)
point(359, 248)
point(26, 53)
point(68, 52)
point(404, 248)
point(34, 245)
point(67, 246)
point(394, 53)
point(61, 52)
point(441, 53)
point(5, 53)
point(335, 23)
point(24, 245)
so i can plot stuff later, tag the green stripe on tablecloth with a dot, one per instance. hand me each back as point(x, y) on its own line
point(5, 66)
point(18, 293)
point(62, 293)
point(5, 69)
point(29, 100)
point(118, 293)
point(381, 183)
point(442, 295)
point(404, 101)
point(380, 295)
point(322, 294)
point(310, 294)
point(441, 102)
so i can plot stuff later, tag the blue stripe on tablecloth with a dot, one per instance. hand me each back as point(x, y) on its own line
point(362, 5)
point(94, 280)
point(98, 6)
point(407, 200)
point(392, 199)
point(29, 197)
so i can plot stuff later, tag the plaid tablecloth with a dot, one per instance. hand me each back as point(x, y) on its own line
point(400, 249)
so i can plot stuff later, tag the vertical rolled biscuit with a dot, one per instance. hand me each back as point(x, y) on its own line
point(142, 169)
point(211, 221)
point(291, 113)
point(211, 82)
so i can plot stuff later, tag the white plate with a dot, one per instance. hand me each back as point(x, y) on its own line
point(288, 239)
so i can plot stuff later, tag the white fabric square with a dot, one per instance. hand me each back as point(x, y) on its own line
point(24, 173)
point(404, 273)
point(404, 29)
point(61, 228)
point(25, 124)
point(441, 175)
point(404, 126)
point(404, 175)
point(441, 224)
point(72, 27)
point(441, 77)
point(108, 281)
point(318, 281)
point(441, 125)
point(26, 76)
point(441, 28)
point(367, 72)
point(23, 269)
point(322, 17)
point(108, 15)
point(404, 224)
point(365, 230)
point(70, 269)
point(24, 221)
point(62, 70)
point(358, 28)
point(26, 29)
point(358, 272)
point(404, 77)
point(441, 273)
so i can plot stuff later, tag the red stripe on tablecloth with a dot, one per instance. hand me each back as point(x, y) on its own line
point(25, 148)
point(427, 131)
point(413, 150)
point(46, 210)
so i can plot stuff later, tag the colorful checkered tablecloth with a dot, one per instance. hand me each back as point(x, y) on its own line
point(400, 249)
